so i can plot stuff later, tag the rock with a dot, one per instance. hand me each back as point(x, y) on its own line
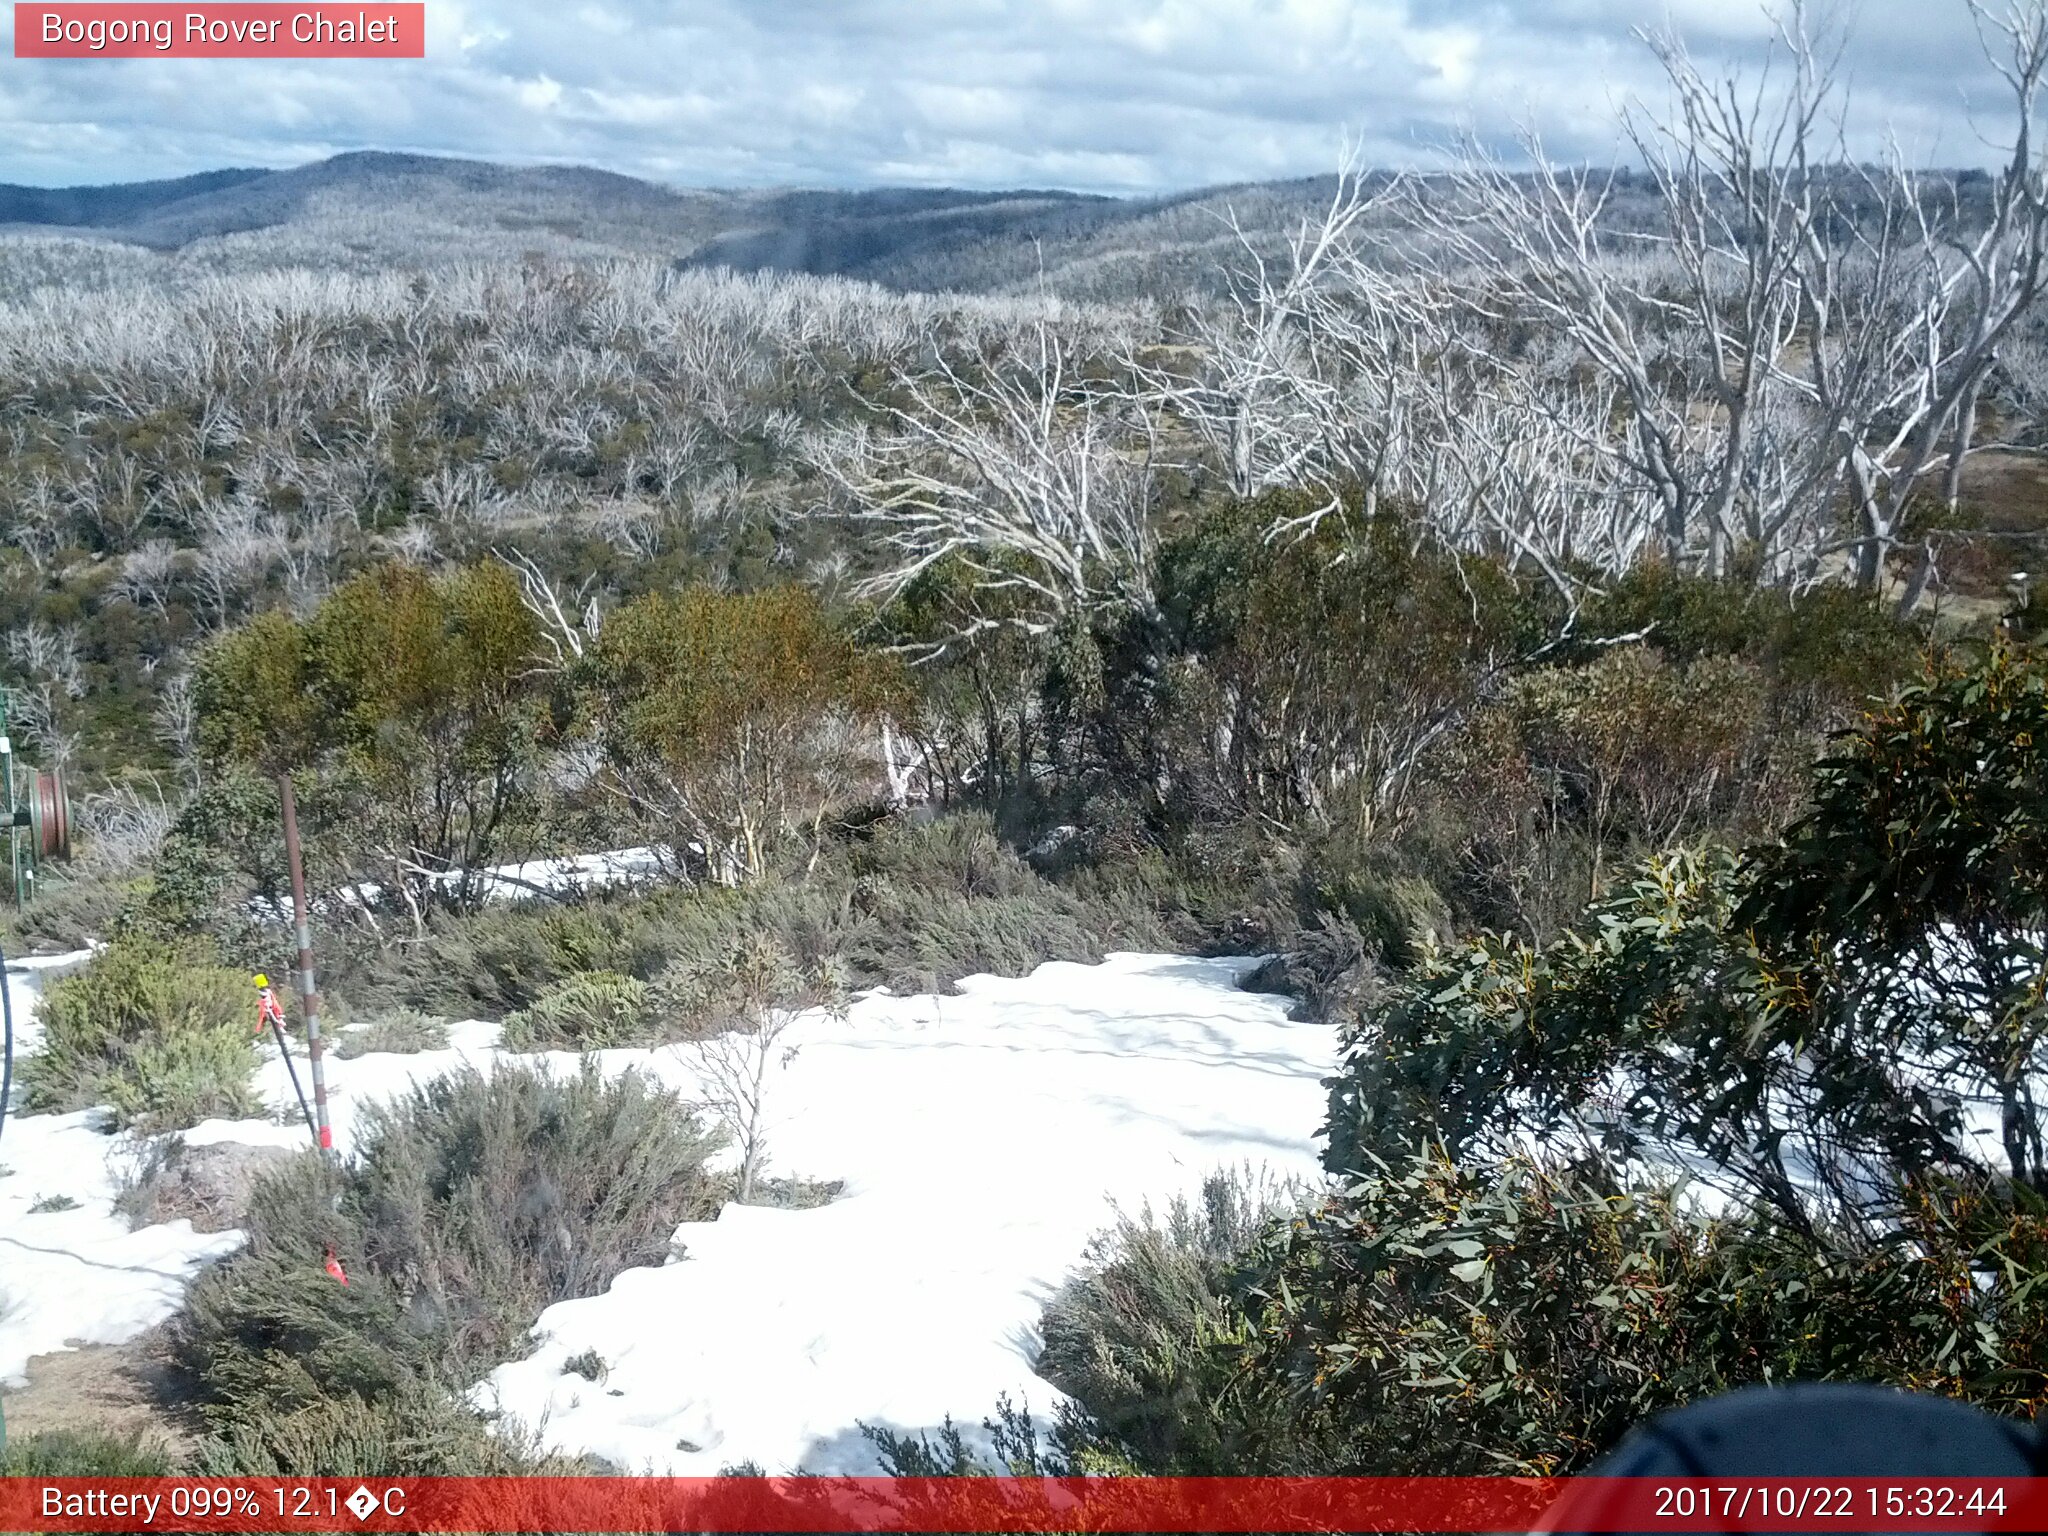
point(208, 1186)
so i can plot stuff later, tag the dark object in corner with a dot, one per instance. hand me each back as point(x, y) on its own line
point(1813, 1430)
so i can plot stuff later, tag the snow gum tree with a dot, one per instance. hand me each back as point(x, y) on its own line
point(1812, 1021)
point(733, 718)
point(412, 701)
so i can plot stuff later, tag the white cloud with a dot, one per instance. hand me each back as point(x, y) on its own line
point(1102, 95)
point(540, 95)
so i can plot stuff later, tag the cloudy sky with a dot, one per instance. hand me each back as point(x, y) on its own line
point(1124, 96)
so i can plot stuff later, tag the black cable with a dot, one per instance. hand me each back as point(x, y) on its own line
point(304, 1108)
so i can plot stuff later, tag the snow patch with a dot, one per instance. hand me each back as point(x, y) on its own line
point(980, 1137)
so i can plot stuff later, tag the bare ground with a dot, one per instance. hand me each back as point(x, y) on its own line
point(2005, 503)
point(129, 1390)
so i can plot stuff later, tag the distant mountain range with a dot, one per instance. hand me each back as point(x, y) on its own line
point(111, 207)
point(369, 209)
point(167, 215)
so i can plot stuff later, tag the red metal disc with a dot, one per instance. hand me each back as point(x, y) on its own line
point(50, 815)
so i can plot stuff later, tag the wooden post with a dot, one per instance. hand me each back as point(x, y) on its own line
point(309, 998)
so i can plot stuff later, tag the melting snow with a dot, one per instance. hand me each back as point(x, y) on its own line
point(980, 1137)
point(71, 1272)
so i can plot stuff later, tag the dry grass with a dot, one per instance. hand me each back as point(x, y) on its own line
point(2004, 529)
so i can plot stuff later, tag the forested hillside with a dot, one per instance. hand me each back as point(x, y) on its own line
point(371, 211)
point(1575, 631)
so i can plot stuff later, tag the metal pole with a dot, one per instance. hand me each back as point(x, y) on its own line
point(309, 999)
point(13, 830)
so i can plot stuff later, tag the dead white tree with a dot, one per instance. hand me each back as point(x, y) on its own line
point(35, 713)
point(564, 637)
point(147, 574)
point(1037, 483)
point(1365, 363)
point(412, 543)
point(1504, 469)
point(235, 555)
point(1979, 276)
point(633, 527)
point(307, 557)
point(1798, 333)
point(36, 525)
point(177, 723)
point(1294, 377)
point(49, 653)
point(1685, 344)
point(124, 826)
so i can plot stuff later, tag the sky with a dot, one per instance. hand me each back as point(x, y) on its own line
point(1115, 96)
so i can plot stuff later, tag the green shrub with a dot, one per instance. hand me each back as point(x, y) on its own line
point(184, 1078)
point(912, 908)
point(1015, 1443)
point(471, 1205)
point(162, 1033)
point(1519, 1318)
point(728, 715)
point(1639, 749)
point(589, 1365)
point(1906, 914)
point(417, 1432)
point(916, 940)
point(1392, 909)
point(494, 962)
point(1464, 1309)
point(1840, 642)
point(959, 854)
point(1312, 665)
point(1145, 1334)
point(1432, 1318)
point(1759, 1005)
point(408, 703)
point(1468, 1321)
point(83, 1453)
point(268, 1333)
point(595, 1011)
point(223, 854)
point(68, 914)
point(927, 905)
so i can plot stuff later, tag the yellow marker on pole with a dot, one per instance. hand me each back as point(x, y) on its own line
point(270, 1011)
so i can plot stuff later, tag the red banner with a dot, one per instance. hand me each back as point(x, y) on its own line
point(1002, 1504)
point(238, 30)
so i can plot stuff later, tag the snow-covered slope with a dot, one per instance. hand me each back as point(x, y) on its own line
point(70, 1270)
point(981, 1137)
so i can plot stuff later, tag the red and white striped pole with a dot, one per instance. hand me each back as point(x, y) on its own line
point(309, 998)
